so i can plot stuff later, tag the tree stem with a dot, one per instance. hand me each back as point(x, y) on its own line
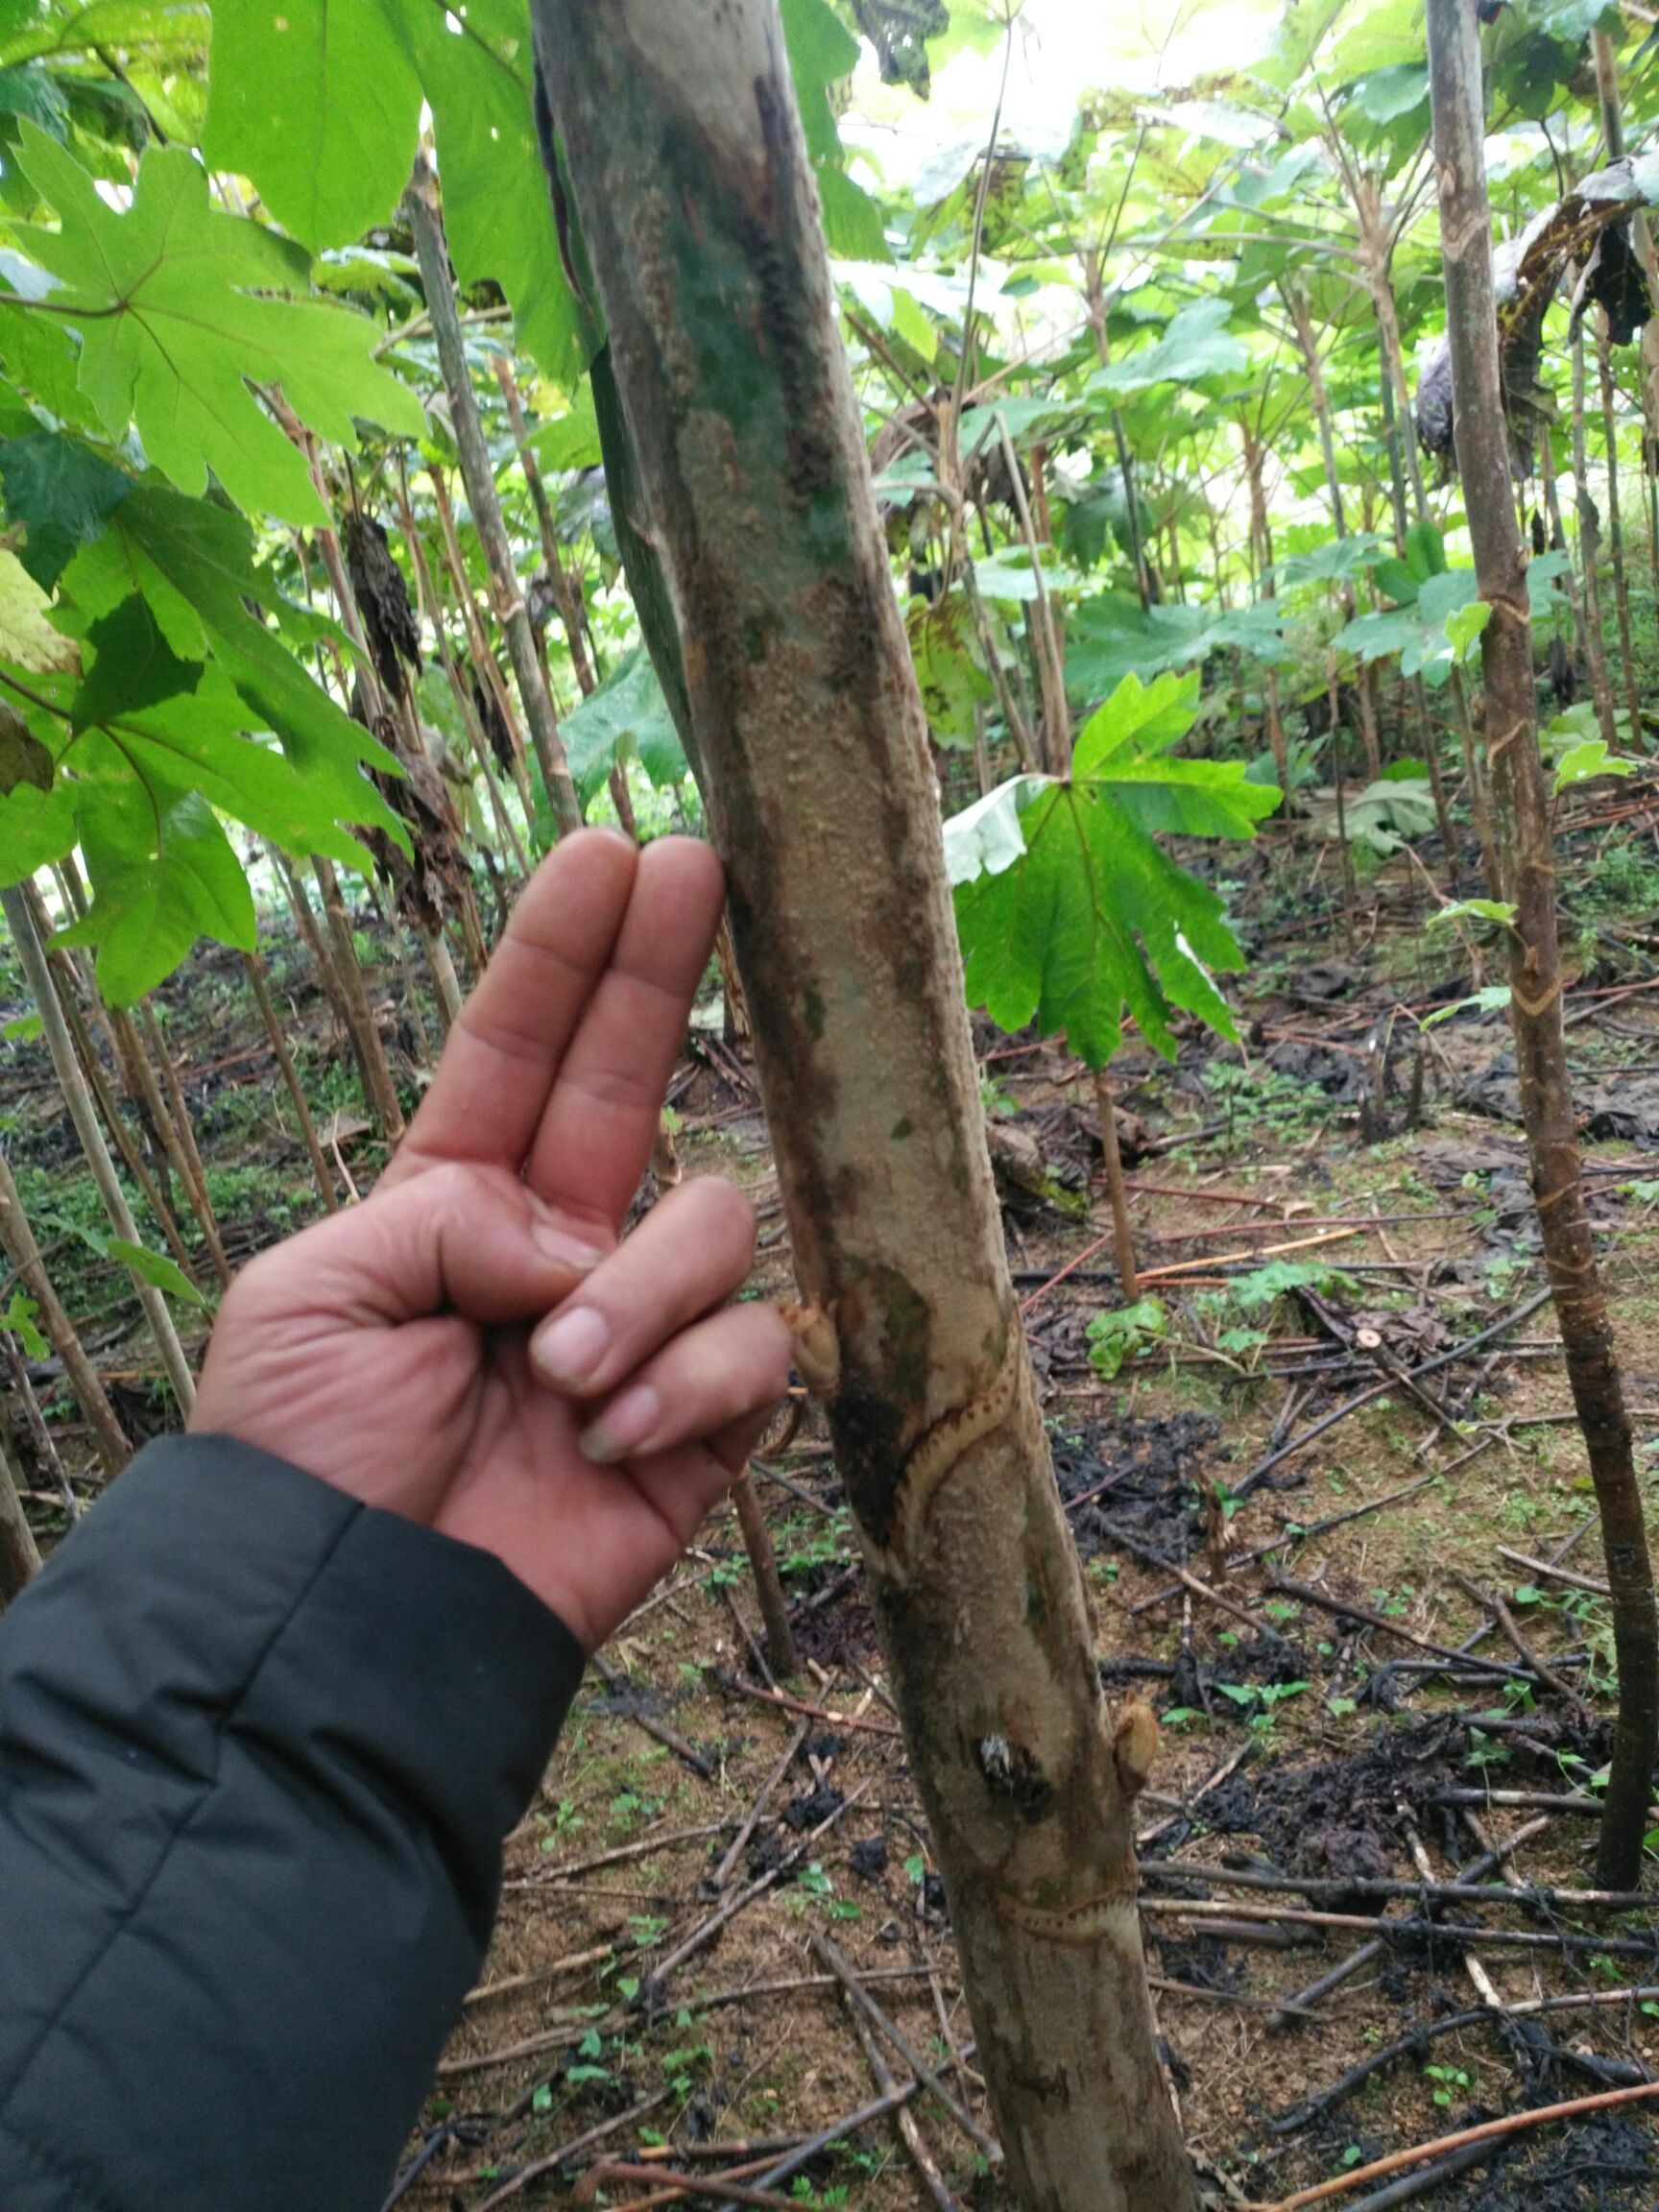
point(1534, 955)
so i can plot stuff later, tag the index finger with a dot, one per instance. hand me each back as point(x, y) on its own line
point(595, 1137)
point(498, 1067)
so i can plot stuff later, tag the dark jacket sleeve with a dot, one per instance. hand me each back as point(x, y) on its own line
point(260, 1747)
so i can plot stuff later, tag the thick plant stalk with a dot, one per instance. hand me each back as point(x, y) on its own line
point(1534, 955)
point(768, 1588)
point(254, 967)
point(697, 210)
point(378, 1087)
point(421, 206)
point(19, 1555)
point(79, 1101)
point(17, 1242)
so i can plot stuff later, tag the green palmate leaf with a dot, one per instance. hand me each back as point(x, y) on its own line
point(200, 737)
point(1472, 909)
point(948, 667)
point(1581, 761)
point(1425, 552)
point(1419, 632)
point(627, 718)
point(18, 1320)
point(172, 332)
point(33, 91)
point(61, 492)
point(193, 563)
point(1464, 625)
point(1091, 918)
point(316, 102)
point(820, 51)
point(1112, 636)
point(1337, 560)
point(571, 441)
point(1389, 93)
point(133, 667)
point(153, 1268)
point(475, 70)
point(163, 874)
point(1195, 344)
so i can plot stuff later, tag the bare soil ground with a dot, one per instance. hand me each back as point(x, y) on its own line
point(1319, 1214)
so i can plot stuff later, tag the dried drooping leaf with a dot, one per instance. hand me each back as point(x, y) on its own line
point(23, 758)
point(1589, 229)
point(382, 599)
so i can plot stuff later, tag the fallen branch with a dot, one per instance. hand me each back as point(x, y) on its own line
point(860, 1998)
point(1510, 1320)
point(1491, 2131)
point(1416, 2039)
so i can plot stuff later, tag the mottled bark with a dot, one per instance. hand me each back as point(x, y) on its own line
point(695, 201)
point(1522, 796)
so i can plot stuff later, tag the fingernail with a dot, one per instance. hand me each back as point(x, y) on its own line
point(623, 1427)
point(568, 1351)
point(556, 1244)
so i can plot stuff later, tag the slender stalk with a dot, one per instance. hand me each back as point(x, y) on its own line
point(426, 595)
point(79, 1099)
point(109, 1113)
point(781, 1653)
point(379, 1091)
point(17, 1242)
point(179, 1112)
point(254, 967)
point(1534, 953)
point(1117, 1197)
point(484, 660)
point(1589, 556)
point(19, 1555)
point(566, 590)
point(792, 641)
point(420, 208)
point(1616, 538)
point(139, 1073)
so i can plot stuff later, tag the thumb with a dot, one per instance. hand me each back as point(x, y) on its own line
point(458, 1238)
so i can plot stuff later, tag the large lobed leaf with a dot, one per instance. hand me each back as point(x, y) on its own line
point(1069, 911)
point(165, 701)
point(317, 102)
point(174, 303)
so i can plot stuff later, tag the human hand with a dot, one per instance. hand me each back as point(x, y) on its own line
point(472, 1347)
